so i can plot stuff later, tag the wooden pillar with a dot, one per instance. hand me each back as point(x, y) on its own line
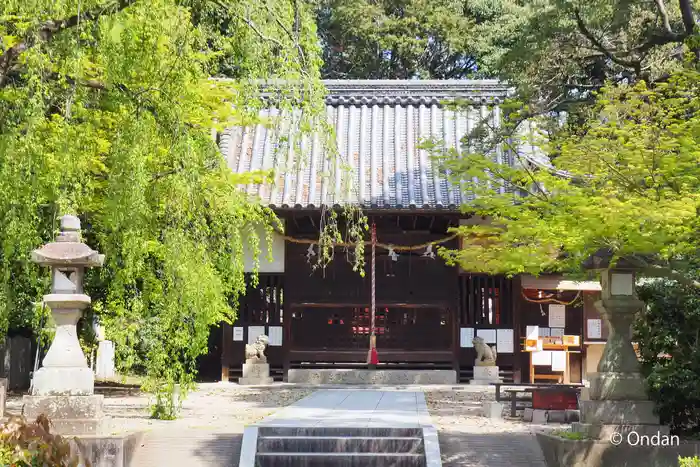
point(224, 372)
point(516, 312)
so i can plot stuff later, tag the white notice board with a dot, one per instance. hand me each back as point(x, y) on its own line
point(275, 336)
point(254, 332)
point(504, 341)
point(465, 337)
point(489, 335)
point(556, 332)
point(238, 334)
point(557, 316)
point(594, 328)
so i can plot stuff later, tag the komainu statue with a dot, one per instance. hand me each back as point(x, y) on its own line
point(485, 355)
point(255, 352)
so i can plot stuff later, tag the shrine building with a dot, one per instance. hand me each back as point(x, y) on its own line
point(426, 312)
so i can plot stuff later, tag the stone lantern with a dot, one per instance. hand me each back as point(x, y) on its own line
point(617, 398)
point(63, 389)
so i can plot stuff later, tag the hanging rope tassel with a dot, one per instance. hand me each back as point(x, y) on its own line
point(372, 355)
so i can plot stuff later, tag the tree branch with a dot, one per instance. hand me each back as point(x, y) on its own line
point(293, 37)
point(51, 27)
point(661, 6)
point(258, 32)
point(663, 271)
point(636, 65)
point(688, 16)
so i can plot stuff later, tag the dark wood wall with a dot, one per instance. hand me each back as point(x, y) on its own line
point(416, 299)
point(421, 304)
point(262, 305)
point(488, 302)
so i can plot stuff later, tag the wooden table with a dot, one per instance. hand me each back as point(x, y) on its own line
point(528, 388)
point(498, 386)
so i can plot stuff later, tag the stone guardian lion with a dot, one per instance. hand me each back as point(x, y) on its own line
point(485, 355)
point(255, 352)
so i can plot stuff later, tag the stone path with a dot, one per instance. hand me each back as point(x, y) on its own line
point(353, 408)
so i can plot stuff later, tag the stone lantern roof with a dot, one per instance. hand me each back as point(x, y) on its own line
point(68, 249)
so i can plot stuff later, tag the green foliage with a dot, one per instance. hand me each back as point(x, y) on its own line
point(567, 434)
point(404, 39)
point(557, 52)
point(25, 444)
point(668, 334)
point(625, 179)
point(106, 111)
point(689, 461)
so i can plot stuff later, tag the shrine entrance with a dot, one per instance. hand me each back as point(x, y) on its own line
point(406, 334)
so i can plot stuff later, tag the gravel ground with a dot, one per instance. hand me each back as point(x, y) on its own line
point(208, 432)
point(209, 429)
point(468, 439)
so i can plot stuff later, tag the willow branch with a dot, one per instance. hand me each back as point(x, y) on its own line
point(48, 29)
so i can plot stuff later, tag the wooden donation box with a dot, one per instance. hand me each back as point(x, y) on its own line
point(551, 352)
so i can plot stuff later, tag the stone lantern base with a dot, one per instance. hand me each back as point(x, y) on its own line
point(50, 381)
point(69, 415)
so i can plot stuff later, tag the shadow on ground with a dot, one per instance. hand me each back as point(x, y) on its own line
point(460, 449)
point(191, 448)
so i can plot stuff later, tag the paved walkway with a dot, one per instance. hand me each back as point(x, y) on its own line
point(354, 409)
point(210, 429)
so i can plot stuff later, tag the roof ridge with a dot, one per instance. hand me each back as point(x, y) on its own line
point(417, 88)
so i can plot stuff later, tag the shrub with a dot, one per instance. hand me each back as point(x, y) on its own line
point(25, 444)
point(668, 334)
point(567, 434)
point(689, 461)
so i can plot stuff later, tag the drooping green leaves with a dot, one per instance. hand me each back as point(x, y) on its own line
point(106, 111)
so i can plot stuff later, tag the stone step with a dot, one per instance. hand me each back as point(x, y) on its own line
point(344, 444)
point(375, 432)
point(339, 459)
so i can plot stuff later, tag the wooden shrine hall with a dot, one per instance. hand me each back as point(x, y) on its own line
point(426, 312)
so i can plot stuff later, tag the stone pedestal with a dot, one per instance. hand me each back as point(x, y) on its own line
point(616, 400)
point(485, 375)
point(255, 373)
point(72, 415)
point(63, 389)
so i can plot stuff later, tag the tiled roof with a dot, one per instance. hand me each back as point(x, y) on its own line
point(378, 126)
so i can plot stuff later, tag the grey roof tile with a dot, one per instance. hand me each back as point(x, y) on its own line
point(379, 126)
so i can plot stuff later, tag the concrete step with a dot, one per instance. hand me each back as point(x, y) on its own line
point(339, 431)
point(339, 459)
point(345, 444)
